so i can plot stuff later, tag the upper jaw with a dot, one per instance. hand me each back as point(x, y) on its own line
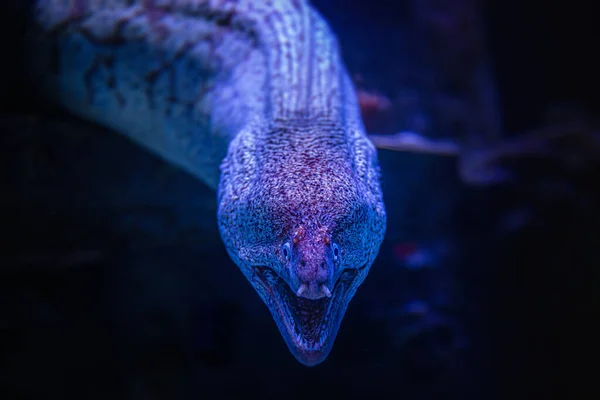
point(309, 326)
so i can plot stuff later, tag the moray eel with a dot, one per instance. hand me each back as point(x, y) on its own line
point(251, 97)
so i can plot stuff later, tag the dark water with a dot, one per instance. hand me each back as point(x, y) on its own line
point(114, 281)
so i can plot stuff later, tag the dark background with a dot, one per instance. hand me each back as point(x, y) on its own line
point(114, 282)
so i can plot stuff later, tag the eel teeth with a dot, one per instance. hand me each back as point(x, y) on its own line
point(326, 290)
point(301, 290)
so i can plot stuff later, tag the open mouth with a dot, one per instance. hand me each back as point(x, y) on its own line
point(309, 326)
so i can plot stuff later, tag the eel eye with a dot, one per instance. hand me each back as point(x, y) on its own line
point(286, 251)
point(336, 252)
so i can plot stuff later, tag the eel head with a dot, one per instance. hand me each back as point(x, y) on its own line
point(304, 231)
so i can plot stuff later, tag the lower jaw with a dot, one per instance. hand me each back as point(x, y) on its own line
point(309, 351)
point(310, 358)
point(312, 350)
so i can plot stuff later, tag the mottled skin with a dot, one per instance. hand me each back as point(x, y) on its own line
point(252, 98)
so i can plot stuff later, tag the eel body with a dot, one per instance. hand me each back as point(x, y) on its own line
point(251, 97)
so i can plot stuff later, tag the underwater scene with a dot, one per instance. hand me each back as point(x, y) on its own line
point(284, 199)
